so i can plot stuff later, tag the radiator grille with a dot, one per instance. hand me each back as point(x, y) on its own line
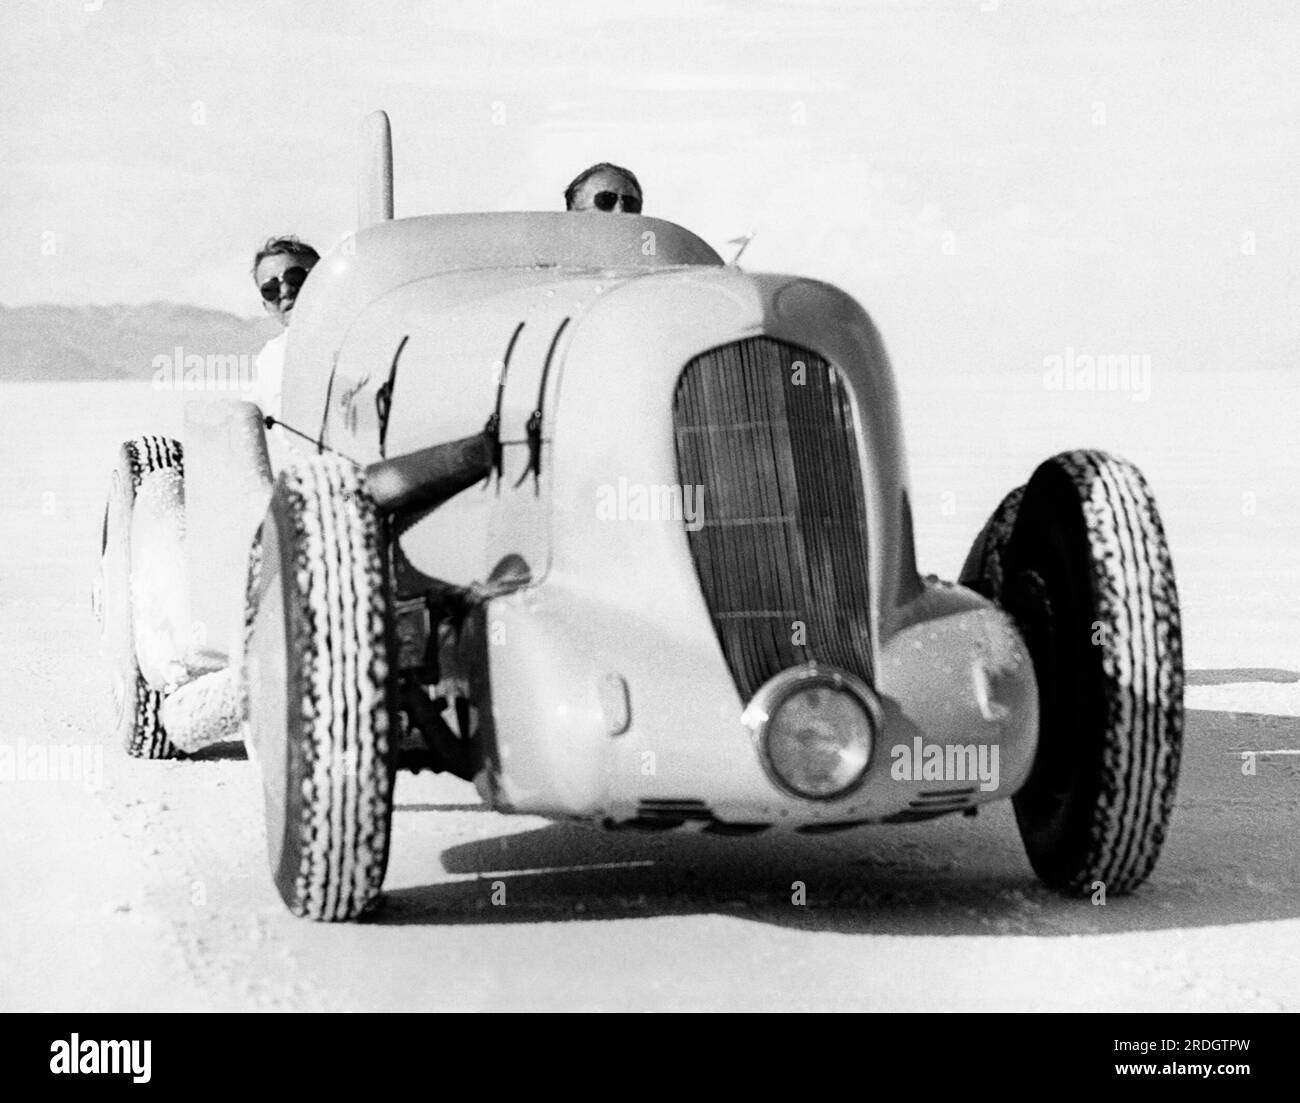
point(766, 429)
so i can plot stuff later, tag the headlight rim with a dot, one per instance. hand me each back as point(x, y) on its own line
point(773, 693)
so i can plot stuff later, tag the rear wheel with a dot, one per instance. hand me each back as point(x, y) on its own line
point(317, 678)
point(135, 706)
point(983, 568)
point(1087, 573)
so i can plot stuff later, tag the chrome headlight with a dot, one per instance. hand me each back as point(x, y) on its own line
point(815, 729)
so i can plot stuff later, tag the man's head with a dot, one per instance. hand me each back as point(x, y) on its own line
point(279, 270)
point(604, 187)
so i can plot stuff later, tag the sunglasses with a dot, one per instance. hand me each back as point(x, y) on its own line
point(292, 277)
point(608, 200)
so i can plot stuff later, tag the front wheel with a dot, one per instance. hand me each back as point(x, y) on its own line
point(316, 671)
point(1087, 573)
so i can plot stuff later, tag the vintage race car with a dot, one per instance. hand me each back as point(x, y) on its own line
point(622, 534)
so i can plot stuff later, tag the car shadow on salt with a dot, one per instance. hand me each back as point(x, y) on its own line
point(1230, 859)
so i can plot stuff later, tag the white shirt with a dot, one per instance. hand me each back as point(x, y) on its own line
point(268, 391)
point(268, 388)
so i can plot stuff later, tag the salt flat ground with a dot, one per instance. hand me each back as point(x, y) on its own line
point(145, 885)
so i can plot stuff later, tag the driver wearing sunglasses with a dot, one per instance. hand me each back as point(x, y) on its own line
point(279, 270)
point(604, 187)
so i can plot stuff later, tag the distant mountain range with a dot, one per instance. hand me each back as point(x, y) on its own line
point(47, 342)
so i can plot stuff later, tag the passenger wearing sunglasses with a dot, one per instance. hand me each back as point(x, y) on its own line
point(279, 270)
point(604, 187)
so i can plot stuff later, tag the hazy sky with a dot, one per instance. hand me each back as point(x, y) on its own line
point(981, 173)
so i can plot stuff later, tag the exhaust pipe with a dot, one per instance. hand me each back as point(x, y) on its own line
point(409, 487)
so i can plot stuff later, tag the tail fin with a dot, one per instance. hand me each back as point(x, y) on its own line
point(375, 180)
